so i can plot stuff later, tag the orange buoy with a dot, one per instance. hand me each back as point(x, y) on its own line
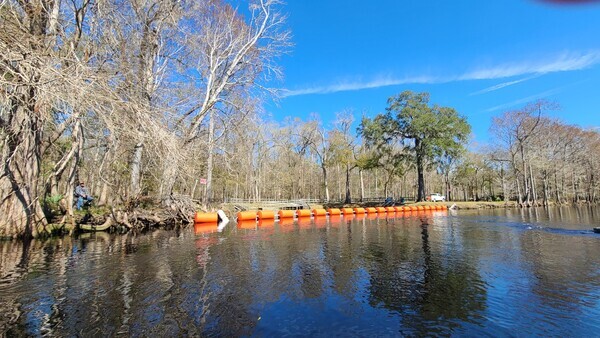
point(319, 212)
point(390, 209)
point(303, 213)
point(266, 214)
point(426, 207)
point(359, 211)
point(246, 215)
point(371, 210)
point(444, 207)
point(413, 208)
point(286, 214)
point(399, 209)
point(420, 208)
point(334, 212)
point(347, 211)
point(206, 217)
point(380, 210)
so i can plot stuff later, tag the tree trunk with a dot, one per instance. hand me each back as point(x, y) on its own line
point(209, 161)
point(169, 177)
point(556, 188)
point(533, 190)
point(348, 197)
point(420, 180)
point(545, 187)
point(136, 169)
point(519, 195)
point(20, 209)
point(504, 190)
point(362, 185)
point(324, 169)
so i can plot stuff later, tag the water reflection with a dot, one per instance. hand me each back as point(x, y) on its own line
point(499, 272)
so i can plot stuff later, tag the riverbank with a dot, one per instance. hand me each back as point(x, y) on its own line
point(140, 219)
point(474, 205)
point(117, 219)
point(458, 205)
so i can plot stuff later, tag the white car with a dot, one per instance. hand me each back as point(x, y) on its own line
point(437, 198)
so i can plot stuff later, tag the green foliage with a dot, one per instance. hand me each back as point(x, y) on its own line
point(50, 205)
point(415, 131)
point(428, 131)
point(53, 199)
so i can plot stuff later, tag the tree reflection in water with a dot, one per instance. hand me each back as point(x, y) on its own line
point(410, 274)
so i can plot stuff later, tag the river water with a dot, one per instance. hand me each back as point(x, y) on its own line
point(490, 272)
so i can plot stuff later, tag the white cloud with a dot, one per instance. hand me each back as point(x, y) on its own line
point(504, 84)
point(564, 62)
point(358, 85)
point(561, 63)
point(525, 99)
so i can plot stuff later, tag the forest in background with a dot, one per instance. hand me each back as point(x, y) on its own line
point(141, 99)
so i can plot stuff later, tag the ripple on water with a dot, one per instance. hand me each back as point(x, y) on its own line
point(491, 273)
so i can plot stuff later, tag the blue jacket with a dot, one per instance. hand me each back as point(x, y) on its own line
point(81, 191)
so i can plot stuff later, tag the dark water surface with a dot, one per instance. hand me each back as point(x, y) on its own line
point(476, 273)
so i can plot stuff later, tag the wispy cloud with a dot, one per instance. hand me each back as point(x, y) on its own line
point(569, 61)
point(562, 63)
point(358, 85)
point(534, 97)
point(504, 84)
point(525, 99)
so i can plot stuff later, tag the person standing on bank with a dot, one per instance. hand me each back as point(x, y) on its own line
point(83, 196)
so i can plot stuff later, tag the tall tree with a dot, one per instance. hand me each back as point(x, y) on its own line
point(425, 131)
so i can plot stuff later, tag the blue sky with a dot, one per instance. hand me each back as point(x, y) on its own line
point(480, 57)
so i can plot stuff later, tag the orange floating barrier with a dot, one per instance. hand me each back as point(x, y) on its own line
point(347, 211)
point(303, 213)
point(334, 211)
point(444, 207)
point(266, 223)
point(380, 210)
point(266, 214)
point(420, 208)
point(399, 209)
point(371, 210)
point(247, 224)
point(359, 211)
point(319, 212)
point(246, 215)
point(206, 217)
point(438, 207)
point(412, 208)
point(286, 214)
point(390, 209)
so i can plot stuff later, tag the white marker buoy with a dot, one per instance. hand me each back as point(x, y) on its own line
point(223, 220)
